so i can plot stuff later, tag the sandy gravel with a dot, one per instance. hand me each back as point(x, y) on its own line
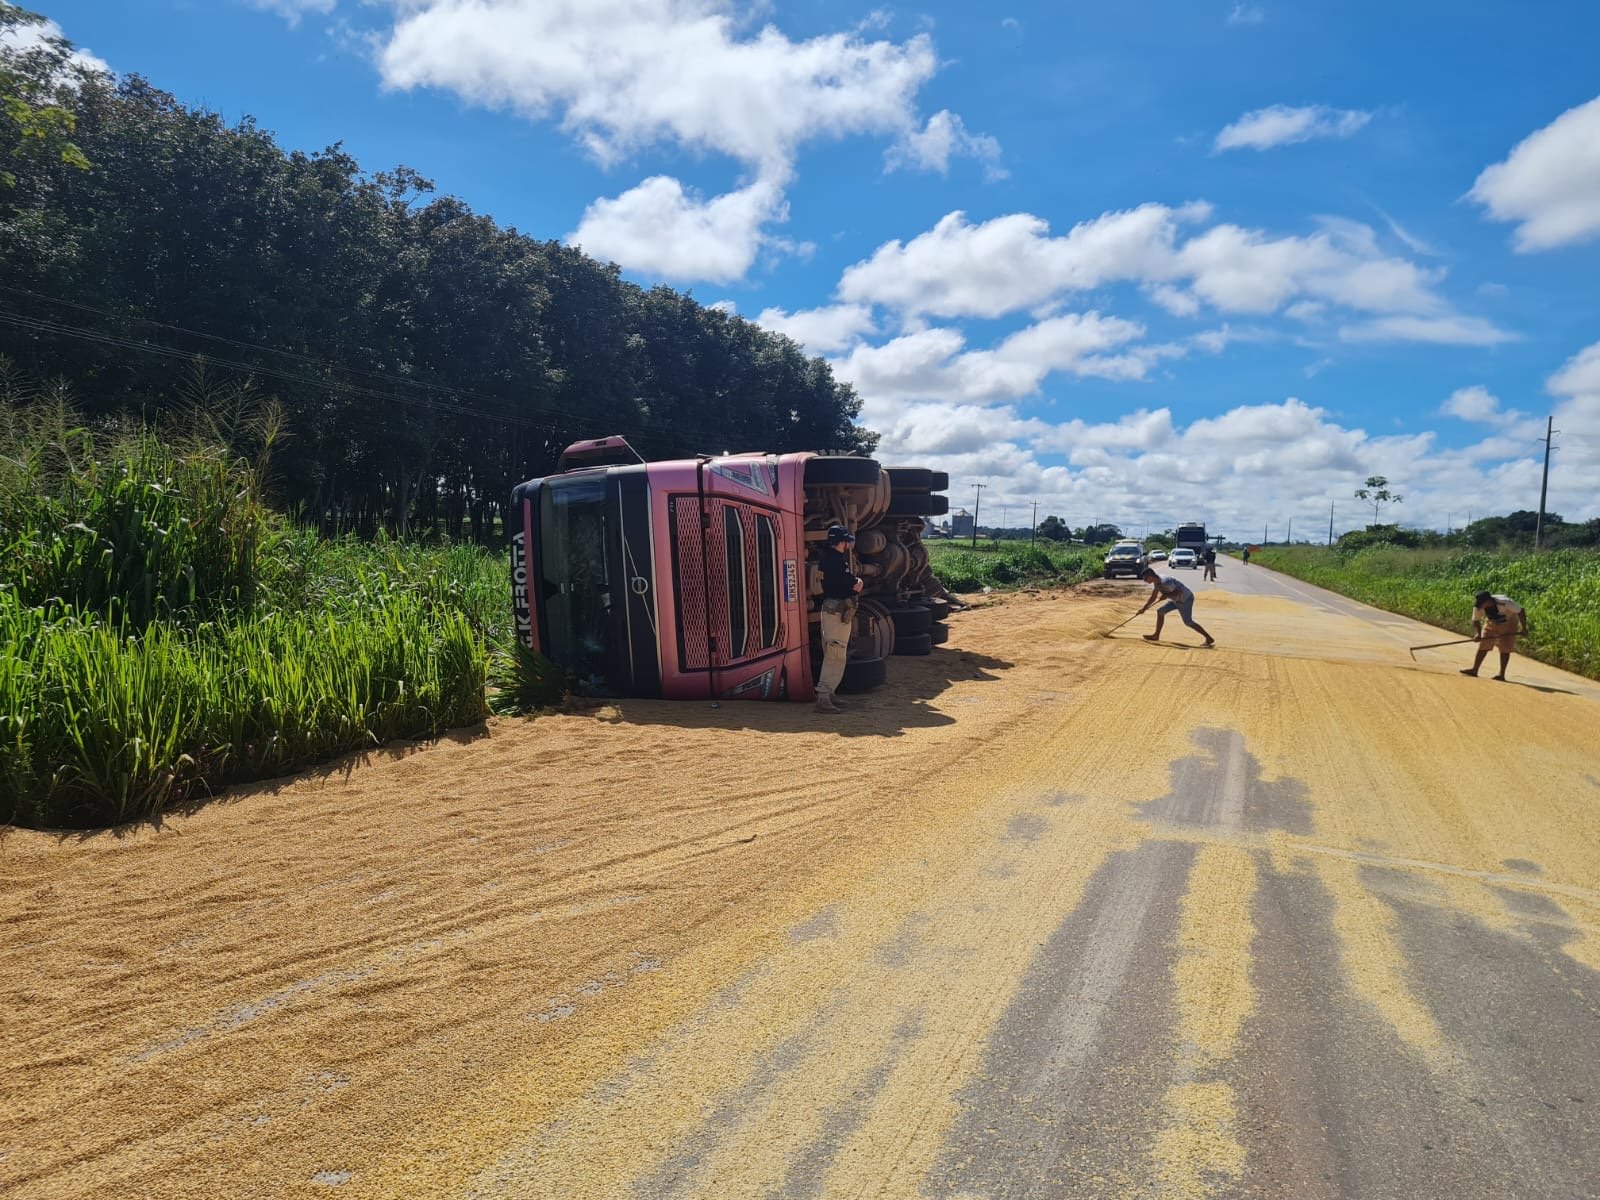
point(1005, 929)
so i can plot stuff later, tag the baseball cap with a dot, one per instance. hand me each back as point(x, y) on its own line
point(838, 533)
point(1482, 598)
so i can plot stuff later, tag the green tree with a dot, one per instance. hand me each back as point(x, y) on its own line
point(1054, 529)
point(1376, 493)
point(35, 83)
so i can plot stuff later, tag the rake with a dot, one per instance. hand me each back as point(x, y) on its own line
point(1114, 628)
point(1436, 645)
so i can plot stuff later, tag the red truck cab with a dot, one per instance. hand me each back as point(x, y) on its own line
point(689, 579)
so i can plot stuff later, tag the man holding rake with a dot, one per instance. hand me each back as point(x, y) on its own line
point(1496, 621)
point(1178, 599)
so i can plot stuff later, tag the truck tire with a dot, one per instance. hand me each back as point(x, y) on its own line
point(939, 609)
point(909, 479)
point(913, 643)
point(913, 504)
point(911, 619)
point(842, 470)
point(863, 674)
point(938, 506)
point(938, 481)
point(938, 633)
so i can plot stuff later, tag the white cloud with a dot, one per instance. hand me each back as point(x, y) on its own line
point(292, 10)
point(1011, 263)
point(933, 365)
point(666, 231)
point(1550, 183)
point(945, 136)
point(1577, 385)
point(822, 330)
point(1246, 14)
point(1281, 125)
point(1443, 331)
point(623, 74)
point(1472, 404)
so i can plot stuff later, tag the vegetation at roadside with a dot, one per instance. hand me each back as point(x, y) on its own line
point(1560, 589)
point(961, 568)
point(165, 634)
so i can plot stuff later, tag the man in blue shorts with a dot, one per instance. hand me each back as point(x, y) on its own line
point(1178, 598)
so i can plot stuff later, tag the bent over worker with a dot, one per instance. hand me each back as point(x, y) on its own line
point(1178, 599)
point(1496, 621)
point(839, 588)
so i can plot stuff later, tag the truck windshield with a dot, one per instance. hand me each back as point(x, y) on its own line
point(576, 592)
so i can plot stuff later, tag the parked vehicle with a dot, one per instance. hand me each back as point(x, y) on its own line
point(1184, 557)
point(1125, 558)
point(1158, 556)
point(1191, 535)
point(694, 578)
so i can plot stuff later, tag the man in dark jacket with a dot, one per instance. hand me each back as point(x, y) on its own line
point(839, 590)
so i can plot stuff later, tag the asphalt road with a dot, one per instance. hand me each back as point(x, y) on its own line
point(1054, 915)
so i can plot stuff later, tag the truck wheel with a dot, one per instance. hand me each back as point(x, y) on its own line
point(938, 633)
point(911, 619)
point(913, 643)
point(842, 470)
point(909, 479)
point(938, 609)
point(938, 481)
point(912, 504)
point(863, 674)
point(938, 506)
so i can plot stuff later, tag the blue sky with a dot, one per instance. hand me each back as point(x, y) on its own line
point(1140, 262)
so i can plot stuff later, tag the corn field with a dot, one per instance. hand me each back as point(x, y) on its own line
point(1560, 589)
point(166, 635)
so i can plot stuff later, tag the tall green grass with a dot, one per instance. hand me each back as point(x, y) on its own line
point(1560, 589)
point(962, 568)
point(163, 634)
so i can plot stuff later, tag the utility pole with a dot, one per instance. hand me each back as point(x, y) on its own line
point(1034, 531)
point(1544, 484)
point(1263, 535)
point(1288, 533)
point(977, 499)
point(1004, 509)
point(1330, 522)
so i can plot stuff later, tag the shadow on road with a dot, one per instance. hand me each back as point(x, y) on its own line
point(889, 711)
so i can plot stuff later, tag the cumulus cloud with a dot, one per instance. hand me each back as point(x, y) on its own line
point(621, 74)
point(1281, 125)
point(662, 228)
point(1472, 404)
point(822, 330)
point(945, 137)
point(1013, 263)
point(293, 10)
point(1577, 386)
point(1550, 183)
point(934, 365)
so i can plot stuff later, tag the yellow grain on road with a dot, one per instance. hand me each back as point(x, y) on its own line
point(669, 951)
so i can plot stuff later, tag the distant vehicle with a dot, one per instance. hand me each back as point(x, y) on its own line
point(1126, 558)
point(1184, 557)
point(1158, 556)
point(1191, 535)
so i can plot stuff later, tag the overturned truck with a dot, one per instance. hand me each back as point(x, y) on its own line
point(695, 579)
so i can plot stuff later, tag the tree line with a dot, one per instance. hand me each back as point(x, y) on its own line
point(425, 358)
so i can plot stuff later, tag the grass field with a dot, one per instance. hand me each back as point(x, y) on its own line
point(166, 635)
point(1560, 590)
point(962, 568)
